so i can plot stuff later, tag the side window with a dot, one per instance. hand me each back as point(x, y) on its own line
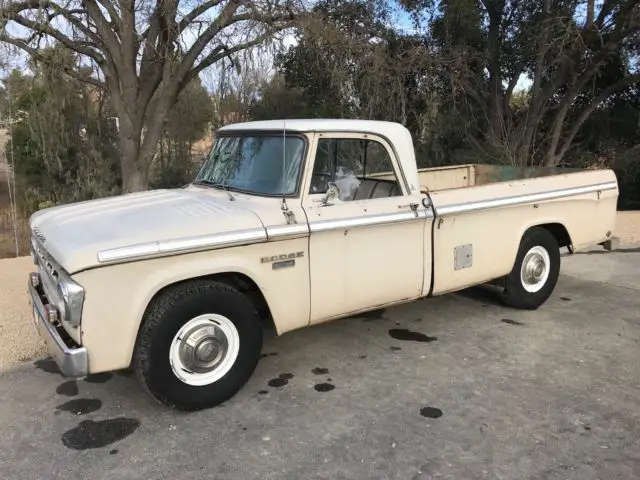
point(360, 168)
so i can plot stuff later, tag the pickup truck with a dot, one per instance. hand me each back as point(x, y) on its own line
point(295, 223)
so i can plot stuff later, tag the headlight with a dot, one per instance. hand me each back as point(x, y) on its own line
point(72, 295)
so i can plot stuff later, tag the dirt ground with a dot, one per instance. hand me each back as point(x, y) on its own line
point(628, 227)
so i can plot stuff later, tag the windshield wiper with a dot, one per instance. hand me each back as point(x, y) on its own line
point(216, 184)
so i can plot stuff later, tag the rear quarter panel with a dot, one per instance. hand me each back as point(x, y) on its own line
point(494, 232)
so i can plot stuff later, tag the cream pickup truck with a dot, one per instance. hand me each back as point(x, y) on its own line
point(295, 224)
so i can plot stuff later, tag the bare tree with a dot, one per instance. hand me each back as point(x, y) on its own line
point(144, 53)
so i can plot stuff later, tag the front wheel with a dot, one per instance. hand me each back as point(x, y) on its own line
point(535, 272)
point(198, 345)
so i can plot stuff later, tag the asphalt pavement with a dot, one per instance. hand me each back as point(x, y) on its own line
point(455, 387)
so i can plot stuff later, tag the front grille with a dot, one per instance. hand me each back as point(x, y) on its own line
point(49, 272)
point(39, 235)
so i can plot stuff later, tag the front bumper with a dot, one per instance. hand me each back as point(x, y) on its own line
point(72, 360)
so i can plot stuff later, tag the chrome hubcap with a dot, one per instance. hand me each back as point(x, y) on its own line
point(535, 269)
point(204, 349)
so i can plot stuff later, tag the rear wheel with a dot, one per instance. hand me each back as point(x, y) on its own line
point(535, 272)
point(198, 345)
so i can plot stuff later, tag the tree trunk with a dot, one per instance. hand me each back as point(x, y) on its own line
point(136, 152)
point(590, 13)
point(134, 176)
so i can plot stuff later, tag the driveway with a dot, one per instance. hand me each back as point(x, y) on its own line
point(456, 387)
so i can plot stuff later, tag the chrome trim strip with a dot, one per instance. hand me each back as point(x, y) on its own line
point(522, 199)
point(181, 245)
point(280, 232)
point(73, 362)
point(368, 220)
point(133, 251)
point(229, 239)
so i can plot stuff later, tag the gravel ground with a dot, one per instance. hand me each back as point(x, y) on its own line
point(19, 341)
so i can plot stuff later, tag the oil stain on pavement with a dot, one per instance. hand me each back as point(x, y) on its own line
point(90, 434)
point(511, 322)
point(281, 381)
point(68, 389)
point(408, 335)
point(80, 406)
point(431, 412)
point(324, 387)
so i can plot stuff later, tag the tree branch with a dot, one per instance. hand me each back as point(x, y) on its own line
point(109, 39)
point(195, 13)
point(222, 21)
point(223, 51)
point(113, 14)
point(37, 55)
point(587, 111)
point(46, 29)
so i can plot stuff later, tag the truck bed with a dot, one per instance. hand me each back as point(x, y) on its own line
point(470, 175)
point(435, 179)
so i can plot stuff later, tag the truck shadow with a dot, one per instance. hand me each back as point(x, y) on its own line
point(484, 294)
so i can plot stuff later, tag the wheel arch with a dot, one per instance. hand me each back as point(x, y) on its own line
point(557, 229)
point(243, 282)
point(560, 232)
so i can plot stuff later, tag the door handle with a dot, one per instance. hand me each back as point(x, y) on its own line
point(412, 206)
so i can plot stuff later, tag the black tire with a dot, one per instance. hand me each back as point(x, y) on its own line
point(164, 318)
point(514, 293)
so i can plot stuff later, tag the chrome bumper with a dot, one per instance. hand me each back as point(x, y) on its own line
point(72, 361)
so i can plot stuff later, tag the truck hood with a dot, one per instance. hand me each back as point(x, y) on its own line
point(74, 234)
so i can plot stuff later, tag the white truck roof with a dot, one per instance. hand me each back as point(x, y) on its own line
point(398, 136)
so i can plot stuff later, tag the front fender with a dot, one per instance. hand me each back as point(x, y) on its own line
point(117, 296)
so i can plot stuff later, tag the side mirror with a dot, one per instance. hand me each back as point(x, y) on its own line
point(332, 193)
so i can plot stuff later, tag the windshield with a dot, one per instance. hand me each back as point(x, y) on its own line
point(254, 164)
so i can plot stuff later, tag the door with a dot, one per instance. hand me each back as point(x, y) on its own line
point(366, 246)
